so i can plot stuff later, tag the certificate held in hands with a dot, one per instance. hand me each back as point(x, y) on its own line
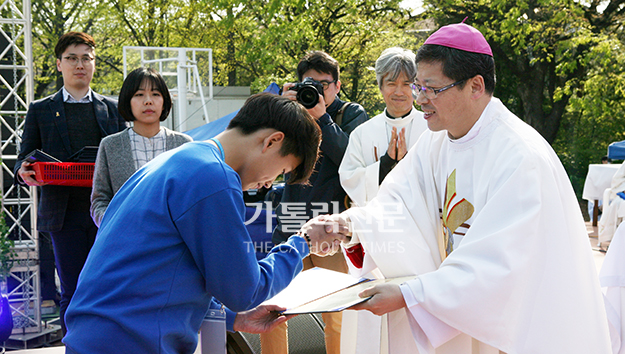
point(321, 290)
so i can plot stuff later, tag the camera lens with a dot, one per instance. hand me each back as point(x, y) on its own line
point(308, 96)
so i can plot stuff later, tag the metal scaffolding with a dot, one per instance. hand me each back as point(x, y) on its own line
point(192, 69)
point(18, 203)
point(189, 66)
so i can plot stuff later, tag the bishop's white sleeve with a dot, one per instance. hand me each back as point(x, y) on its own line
point(421, 321)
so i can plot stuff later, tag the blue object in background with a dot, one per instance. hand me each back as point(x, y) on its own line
point(211, 129)
point(6, 317)
point(616, 150)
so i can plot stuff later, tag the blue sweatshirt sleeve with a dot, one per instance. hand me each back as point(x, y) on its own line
point(214, 231)
point(296, 241)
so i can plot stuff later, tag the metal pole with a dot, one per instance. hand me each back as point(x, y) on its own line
point(182, 90)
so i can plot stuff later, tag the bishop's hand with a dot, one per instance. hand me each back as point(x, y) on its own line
point(321, 242)
point(385, 298)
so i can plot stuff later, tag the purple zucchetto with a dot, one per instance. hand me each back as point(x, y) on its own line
point(460, 36)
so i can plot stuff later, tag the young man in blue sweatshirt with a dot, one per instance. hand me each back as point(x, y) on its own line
point(173, 238)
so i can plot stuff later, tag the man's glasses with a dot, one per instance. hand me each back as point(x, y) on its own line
point(73, 60)
point(431, 93)
point(326, 84)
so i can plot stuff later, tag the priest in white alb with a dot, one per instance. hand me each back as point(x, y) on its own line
point(482, 212)
point(377, 145)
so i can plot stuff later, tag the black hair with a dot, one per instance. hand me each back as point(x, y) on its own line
point(318, 61)
point(132, 84)
point(72, 38)
point(302, 134)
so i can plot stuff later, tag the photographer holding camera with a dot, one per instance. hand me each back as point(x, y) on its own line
point(318, 74)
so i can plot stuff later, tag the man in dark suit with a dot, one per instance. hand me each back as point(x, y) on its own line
point(60, 125)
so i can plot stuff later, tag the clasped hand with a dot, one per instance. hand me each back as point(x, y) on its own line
point(397, 147)
point(326, 234)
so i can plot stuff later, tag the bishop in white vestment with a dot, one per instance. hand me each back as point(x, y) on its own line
point(482, 212)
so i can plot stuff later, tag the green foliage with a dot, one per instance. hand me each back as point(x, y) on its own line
point(596, 114)
point(559, 62)
point(7, 250)
point(539, 49)
point(559, 68)
point(262, 41)
point(254, 43)
point(7, 247)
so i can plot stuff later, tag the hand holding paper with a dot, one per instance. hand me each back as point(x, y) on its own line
point(322, 290)
point(261, 319)
point(385, 298)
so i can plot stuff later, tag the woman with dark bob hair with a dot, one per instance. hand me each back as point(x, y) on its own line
point(144, 100)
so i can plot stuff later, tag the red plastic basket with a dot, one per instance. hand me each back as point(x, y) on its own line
point(75, 174)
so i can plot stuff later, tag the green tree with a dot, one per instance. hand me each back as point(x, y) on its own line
point(52, 18)
point(558, 68)
point(113, 25)
point(254, 43)
point(262, 41)
point(595, 116)
point(539, 48)
point(161, 23)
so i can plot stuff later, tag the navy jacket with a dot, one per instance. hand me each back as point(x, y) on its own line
point(45, 129)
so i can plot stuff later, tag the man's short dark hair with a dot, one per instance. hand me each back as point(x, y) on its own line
point(72, 38)
point(318, 61)
point(302, 134)
point(131, 85)
point(459, 64)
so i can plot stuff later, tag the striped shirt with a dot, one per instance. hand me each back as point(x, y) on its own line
point(145, 149)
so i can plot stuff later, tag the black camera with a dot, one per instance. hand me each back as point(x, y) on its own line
point(308, 92)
